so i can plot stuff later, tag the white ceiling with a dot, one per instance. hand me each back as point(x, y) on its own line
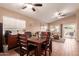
point(46, 13)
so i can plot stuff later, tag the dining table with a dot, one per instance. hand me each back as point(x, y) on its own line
point(38, 42)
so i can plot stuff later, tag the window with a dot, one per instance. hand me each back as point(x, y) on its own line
point(44, 28)
point(13, 24)
point(52, 29)
point(55, 29)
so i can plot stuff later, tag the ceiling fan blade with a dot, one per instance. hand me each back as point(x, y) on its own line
point(33, 9)
point(63, 15)
point(37, 4)
point(24, 7)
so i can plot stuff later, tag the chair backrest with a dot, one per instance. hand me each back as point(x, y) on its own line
point(50, 44)
point(47, 37)
point(49, 40)
point(29, 34)
point(22, 40)
point(45, 34)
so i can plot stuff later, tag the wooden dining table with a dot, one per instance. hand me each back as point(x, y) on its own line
point(38, 42)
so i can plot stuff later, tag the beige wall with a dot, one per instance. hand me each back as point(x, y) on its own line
point(77, 21)
point(31, 24)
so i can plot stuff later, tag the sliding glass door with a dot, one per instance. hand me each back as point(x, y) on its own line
point(69, 31)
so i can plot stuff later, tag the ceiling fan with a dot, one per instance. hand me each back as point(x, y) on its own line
point(26, 5)
point(61, 14)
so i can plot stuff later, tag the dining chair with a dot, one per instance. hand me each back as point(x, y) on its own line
point(47, 46)
point(25, 48)
point(29, 34)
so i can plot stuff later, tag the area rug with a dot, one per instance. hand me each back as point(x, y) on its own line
point(61, 40)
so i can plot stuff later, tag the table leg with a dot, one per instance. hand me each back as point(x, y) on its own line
point(39, 50)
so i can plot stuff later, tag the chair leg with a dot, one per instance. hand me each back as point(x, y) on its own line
point(20, 53)
point(27, 53)
point(45, 53)
point(49, 53)
point(35, 52)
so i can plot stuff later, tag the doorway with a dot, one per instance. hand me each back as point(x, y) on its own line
point(69, 31)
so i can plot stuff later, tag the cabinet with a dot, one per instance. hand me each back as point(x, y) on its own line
point(12, 41)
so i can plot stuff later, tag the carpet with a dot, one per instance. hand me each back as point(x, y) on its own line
point(61, 40)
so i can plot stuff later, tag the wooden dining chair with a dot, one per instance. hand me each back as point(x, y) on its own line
point(25, 48)
point(47, 46)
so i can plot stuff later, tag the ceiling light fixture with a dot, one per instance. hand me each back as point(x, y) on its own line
point(59, 15)
point(31, 6)
point(26, 6)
